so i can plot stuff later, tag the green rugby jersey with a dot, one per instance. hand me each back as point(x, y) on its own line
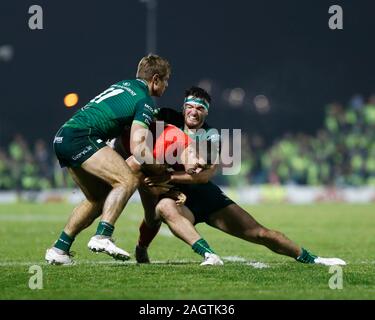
point(120, 105)
point(206, 132)
point(209, 134)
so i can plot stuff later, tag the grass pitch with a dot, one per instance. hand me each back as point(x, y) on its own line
point(250, 271)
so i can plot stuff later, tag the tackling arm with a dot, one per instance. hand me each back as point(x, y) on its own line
point(140, 145)
point(183, 177)
point(202, 177)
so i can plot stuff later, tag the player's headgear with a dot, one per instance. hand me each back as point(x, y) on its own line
point(198, 96)
point(197, 102)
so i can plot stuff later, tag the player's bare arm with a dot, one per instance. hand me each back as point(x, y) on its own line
point(141, 144)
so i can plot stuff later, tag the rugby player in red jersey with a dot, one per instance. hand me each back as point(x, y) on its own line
point(176, 150)
point(207, 203)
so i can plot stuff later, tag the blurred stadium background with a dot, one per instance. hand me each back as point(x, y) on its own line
point(303, 94)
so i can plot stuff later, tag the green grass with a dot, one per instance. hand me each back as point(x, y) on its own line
point(345, 231)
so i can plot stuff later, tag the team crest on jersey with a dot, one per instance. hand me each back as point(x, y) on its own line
point(58, 140)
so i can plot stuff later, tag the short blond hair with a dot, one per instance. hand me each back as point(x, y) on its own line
point(153, 64)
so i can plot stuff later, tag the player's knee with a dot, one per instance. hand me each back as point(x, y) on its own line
point(127, 182)
point(258, 234)
point(164, 209)
point(161, 206)
point(265, 235)
point(262, 233)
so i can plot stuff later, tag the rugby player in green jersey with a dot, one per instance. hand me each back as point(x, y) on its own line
point(207, 203)
point(101, 173)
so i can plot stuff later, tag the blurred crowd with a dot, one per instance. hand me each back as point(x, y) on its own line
point(342, 153)
point(26, 167)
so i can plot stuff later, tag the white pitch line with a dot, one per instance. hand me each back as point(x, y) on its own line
point(252, 263)
point(114, 262)
point(94, 262)
point(234, 259)
point(19, 263)
point(258, 265)
point(32, 217)
point(27, 217)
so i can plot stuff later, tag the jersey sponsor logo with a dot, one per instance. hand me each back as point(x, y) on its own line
point(130, 91)
point(99, 141)
point(146, 116)
point(123, 85)
point(82, 153)
point(147, 121)
point(149, 107)
point(58, 140)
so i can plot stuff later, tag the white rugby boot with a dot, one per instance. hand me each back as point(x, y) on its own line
point(58, 257)
point(211, 259)
point(308, 257)
point(107, 245)
point(329, 261)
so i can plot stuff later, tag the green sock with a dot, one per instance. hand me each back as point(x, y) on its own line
point(104, 229)
point(64, 242)
point(306, 257)
point(201, 247)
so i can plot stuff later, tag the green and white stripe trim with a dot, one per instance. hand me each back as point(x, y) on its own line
point(197, 101)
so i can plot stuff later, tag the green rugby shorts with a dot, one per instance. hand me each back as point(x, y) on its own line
point(73, 146)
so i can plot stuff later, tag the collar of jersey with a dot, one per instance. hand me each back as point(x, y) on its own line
point(142, 81)
point(192, 134)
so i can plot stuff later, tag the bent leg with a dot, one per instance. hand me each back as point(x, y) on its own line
point(151, 223)
point(109, 166)
point(237, 222)
point(179, 219)
point(149, 202)
point(86, 212)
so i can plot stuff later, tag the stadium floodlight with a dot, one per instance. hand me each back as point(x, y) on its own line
point(235, 97)
point(206, 84)
point(151, 19)
point(71, 99)
point(6, 53)
point(262, 103)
